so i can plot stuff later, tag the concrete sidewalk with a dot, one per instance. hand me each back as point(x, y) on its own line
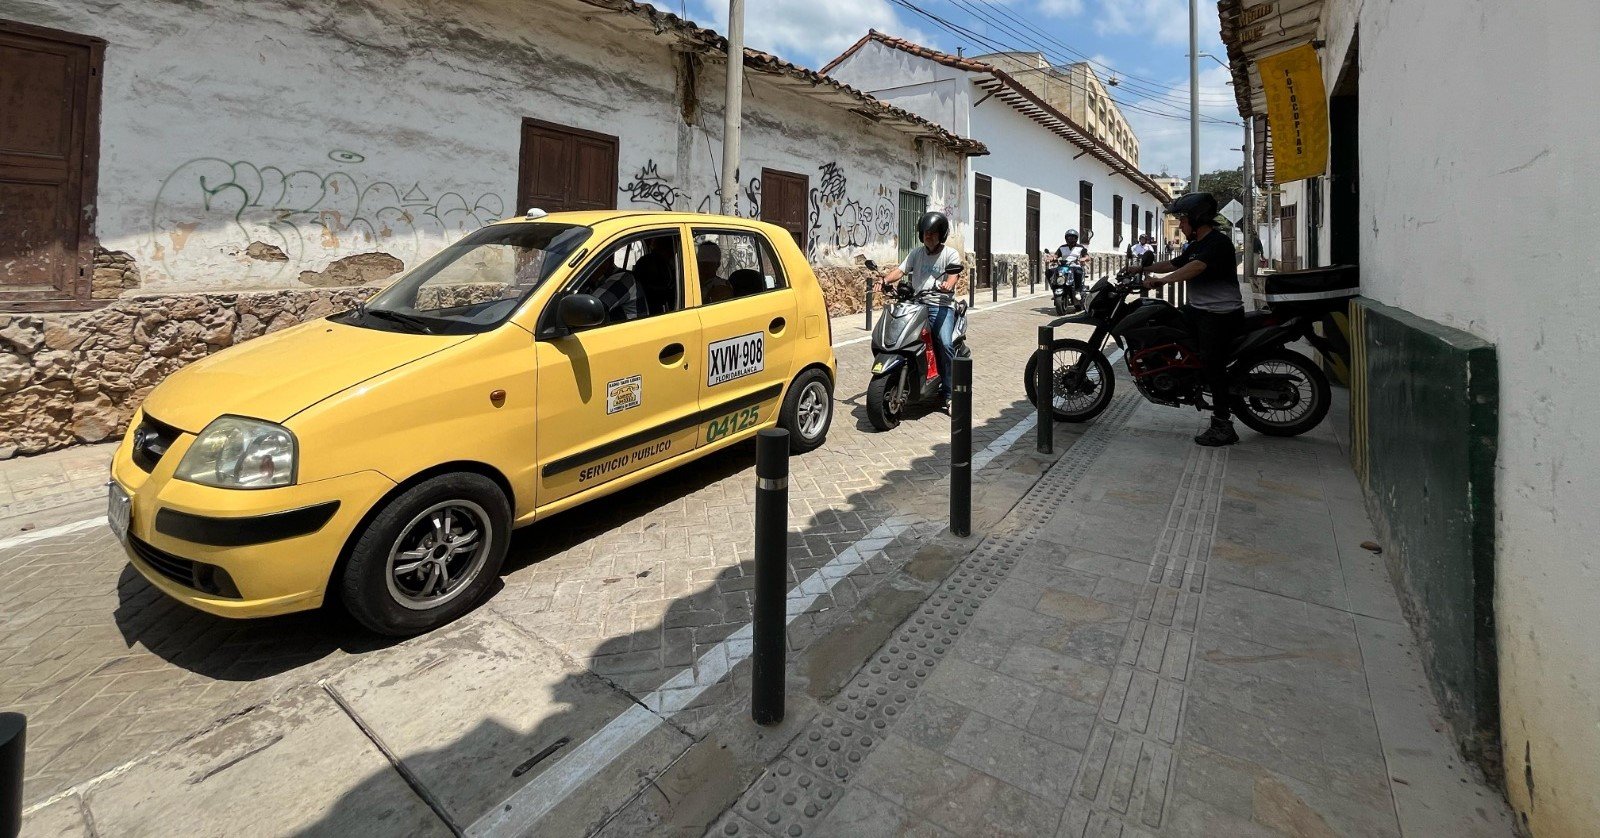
point(1161, 639)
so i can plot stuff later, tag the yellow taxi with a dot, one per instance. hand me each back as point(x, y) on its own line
point(382, 456)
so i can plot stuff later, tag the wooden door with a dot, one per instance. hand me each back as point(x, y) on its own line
point(1289, 236)
point(565, 169)
point(1033, 237)
point(983, 199)
point(783, 202)
point(49, 113)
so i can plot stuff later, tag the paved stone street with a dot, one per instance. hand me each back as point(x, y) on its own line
point(633, 587)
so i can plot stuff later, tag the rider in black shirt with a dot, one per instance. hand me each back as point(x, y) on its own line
point(1215, 308)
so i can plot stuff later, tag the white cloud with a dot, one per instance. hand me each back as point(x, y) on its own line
point(1162, 21)
point(807, 32)
point(1060, 8)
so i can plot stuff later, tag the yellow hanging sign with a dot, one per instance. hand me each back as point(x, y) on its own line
point(1297, 110)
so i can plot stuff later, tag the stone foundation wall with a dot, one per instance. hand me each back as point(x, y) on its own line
point(77, 377)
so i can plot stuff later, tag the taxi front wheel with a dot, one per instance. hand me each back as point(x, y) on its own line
point(428, 556)
point(807, 411)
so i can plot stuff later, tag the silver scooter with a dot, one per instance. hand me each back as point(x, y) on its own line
point(904, 368)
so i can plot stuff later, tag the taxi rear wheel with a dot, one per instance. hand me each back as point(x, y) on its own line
point(428, 556)
point(807, 411)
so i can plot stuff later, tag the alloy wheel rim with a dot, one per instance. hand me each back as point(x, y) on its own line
point(812, 410)
point(438, 554)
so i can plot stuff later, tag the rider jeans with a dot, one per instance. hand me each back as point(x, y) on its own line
point(942, 322)
point(1214, 335)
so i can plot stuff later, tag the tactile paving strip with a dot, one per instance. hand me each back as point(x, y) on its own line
point(1126, 772)
point(801, 787)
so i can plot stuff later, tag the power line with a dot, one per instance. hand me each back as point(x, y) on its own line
point(1024, 35)
point(994, 46)
point(1148, 87)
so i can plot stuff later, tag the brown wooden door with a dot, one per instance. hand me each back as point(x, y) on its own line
point(565, 169)
point(783, 202)
point(982, 207)
point(1033, 236)
point(49, 108)
point(1289, 235)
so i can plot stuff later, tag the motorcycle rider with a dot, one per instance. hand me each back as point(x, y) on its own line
point(1072, 253)
point(926, 267)
point(1215, 309)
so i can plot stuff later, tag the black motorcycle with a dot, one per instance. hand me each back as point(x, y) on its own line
point(1274, 389)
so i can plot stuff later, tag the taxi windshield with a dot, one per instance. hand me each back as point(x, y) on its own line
point(474, 284)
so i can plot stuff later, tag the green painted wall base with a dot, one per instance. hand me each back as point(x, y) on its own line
point(1424, 427)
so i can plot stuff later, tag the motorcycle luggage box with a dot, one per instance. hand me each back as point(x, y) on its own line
point(1313, 291)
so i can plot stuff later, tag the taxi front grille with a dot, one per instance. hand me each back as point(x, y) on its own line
point(151, 441)
point(202, 577)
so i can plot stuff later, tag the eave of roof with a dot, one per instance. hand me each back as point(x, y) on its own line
point(798, 79)
point(1021, 98)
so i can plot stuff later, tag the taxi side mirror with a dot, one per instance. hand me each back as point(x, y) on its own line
point(580, 311)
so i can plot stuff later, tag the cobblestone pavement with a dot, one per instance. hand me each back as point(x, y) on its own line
point(633, 587)
point(1161, 639)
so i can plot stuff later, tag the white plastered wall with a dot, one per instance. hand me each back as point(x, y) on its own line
point(1477, 167)
point(328, 131)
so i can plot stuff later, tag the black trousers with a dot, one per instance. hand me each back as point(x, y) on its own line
point(1214, 333)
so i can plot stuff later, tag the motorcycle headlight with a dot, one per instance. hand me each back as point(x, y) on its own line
point(238, 453)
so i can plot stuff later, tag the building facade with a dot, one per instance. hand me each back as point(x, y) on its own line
point(214, 171)
point(1472, 396)
point(1046, 172)
point(1075, 90)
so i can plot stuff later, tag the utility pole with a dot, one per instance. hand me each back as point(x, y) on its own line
point(1194, 96)
point(1250, 207)
point(734, 102)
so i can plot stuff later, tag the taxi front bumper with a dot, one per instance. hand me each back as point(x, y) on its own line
point(239, 553)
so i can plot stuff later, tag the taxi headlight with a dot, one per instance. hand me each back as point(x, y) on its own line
point(238, 453)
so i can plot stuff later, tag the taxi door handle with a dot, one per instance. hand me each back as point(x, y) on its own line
point(671, 354)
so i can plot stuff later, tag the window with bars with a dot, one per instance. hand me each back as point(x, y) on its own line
point(1085, 210)
point(912, 206)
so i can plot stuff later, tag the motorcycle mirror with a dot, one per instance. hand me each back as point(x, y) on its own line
point(871, 265)
point(954, 269)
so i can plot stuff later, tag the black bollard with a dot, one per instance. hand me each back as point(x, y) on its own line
point(994, 286)
point(772, 575)
point(961, 445)
point(871, 281)
point(1045, 391)
point(1014, 281)
point(13, 741)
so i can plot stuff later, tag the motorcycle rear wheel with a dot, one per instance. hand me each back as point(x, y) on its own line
point(886, 400)
point(1069, 403)
point(1301, 411)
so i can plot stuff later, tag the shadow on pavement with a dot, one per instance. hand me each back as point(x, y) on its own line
point(639, 793)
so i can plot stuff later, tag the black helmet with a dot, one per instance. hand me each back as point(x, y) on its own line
point(1071, 234)
point(936, 222)
point(1199, 207)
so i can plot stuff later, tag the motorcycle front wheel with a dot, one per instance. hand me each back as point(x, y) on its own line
point(1061, 305)
point(886, 400)
point(1078, 395)
point(1300, 403)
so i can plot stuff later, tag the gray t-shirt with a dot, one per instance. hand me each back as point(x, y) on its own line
point(926, 270)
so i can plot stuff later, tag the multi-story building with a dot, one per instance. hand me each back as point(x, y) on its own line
point(1075, 90)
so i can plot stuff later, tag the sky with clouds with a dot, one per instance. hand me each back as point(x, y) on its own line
point(1143, 42)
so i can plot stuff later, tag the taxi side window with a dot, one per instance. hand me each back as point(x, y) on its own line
point(637, 278)
point(734, 265)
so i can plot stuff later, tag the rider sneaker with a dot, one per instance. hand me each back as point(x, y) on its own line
point(1220, 433)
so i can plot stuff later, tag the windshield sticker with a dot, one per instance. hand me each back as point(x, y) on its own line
point(734, 358)
point(622, 461)
point(624, 394)
point(732, 423)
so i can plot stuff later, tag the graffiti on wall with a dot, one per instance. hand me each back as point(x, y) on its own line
point(209, 210)
point(649, 188)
